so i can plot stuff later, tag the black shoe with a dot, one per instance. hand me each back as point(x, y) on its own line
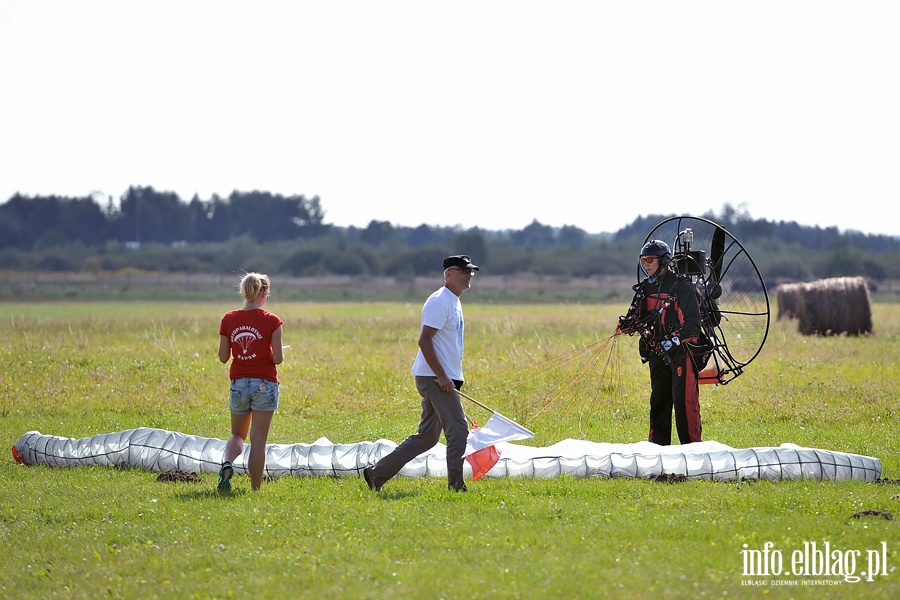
point(459, 489)
point(370, 479)
point(225, 474)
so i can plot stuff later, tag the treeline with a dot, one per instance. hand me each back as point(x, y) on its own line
point(157, 231)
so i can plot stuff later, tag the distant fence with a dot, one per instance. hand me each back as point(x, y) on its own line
point(159, 286)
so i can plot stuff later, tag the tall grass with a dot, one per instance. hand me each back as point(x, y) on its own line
point(76, 370)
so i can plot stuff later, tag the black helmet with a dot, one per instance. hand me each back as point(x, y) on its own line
point(657, 248)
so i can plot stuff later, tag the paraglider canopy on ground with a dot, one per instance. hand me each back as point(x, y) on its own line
point(159, 450)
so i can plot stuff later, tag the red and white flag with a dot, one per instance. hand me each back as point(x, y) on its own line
point(481, 453)
point(483, 461)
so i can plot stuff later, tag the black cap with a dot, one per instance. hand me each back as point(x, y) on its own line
point(460, 260)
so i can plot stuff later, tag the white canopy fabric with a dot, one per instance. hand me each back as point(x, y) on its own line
point(162, 451)
point(497, 429)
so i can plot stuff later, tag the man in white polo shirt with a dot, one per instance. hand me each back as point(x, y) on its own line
point(438, 372)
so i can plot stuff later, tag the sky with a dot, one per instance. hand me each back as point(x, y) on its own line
point(486, 114)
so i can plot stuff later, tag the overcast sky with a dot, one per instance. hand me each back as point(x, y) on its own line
point(488, 114)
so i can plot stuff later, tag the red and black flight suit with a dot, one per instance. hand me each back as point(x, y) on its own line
point(673, 374)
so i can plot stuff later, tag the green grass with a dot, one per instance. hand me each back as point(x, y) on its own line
point(76, 370)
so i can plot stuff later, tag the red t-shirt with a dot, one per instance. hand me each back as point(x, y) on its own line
point(250, 332)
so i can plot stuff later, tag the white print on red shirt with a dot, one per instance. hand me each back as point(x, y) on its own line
point(244, 336)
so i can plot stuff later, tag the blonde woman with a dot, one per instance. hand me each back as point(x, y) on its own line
point(251, 338)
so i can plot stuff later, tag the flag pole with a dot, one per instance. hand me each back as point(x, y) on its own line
point(464, 395)
point(467, 397)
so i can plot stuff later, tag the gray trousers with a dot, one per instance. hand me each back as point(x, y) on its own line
point(440, 411)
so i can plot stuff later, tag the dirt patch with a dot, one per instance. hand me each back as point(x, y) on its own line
point(669, 478)
point(178, 476)
point(872, 513)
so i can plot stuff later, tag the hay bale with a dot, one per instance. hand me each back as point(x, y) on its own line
point(786, 295)
point(840, 305)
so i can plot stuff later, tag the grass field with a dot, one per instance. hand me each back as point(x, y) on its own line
point(79, 369)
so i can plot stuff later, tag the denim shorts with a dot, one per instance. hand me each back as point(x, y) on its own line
point(253, 393)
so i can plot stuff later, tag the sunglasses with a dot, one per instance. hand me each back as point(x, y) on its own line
point(648, 259)
point(466, 271)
